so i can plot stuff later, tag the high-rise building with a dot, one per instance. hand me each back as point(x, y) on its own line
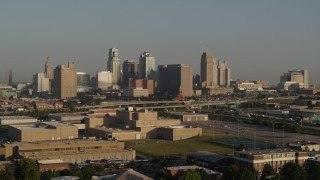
point(83, 79)
point(65, 81)
point(147, 66)
point(104, 80)
point(209, 72)
point(40, 83)
point(48, 70)
point(9, 77)
point(299, 77)
point(114, 66)
point(224, 74)
point(143, 84)
point(129, 70)
point(175, 79)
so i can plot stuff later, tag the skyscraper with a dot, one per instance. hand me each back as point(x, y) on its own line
point(83, 79)
point(175, 78)
point(48, 71)
point(129, 70)
point(40, 83)
point(104, 80)
point(9, 77)
point(114, 66)
point(65, 81)
point(224, 74)
point(209, 72)
point(147, 66)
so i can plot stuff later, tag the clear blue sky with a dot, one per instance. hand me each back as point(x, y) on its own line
point(260, 39)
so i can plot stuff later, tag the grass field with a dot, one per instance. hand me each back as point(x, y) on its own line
point(161, 148)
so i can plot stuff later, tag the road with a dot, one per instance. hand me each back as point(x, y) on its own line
point(251, 132)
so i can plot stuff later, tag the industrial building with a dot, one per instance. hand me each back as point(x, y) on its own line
point(10, 120)
point(70, 151)
point(42, 132)
point(65, 117)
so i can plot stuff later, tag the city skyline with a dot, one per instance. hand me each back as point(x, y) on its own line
point(260, 40)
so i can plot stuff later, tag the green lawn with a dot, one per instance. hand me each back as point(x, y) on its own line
point(162, 148)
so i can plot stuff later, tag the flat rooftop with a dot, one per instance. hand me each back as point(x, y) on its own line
point(62, 142)
point(15, 117)
point(269, 151)
point(112, 130)
point(188, 113)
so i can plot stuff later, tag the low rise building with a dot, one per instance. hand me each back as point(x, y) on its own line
point(276, 158)
point(216, 90)
point(174, 133)
point(42, 132)
point(70, 151)
point(52, 164)
point(11, 120)
point(66, 117)
point(187, 116)
point(210, 160)
point(248, 86)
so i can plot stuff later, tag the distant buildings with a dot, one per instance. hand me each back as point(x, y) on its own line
point(147, 67)
point(130, 69)
point(40, 83)
point(9, 77)
point(104, 80)
point(214, 74)
point(294, 79)
point(65, 81)
point(144, 84)
point(175, 79)
point(209, 71)
point(114, 66)
point(224, 74)
point(48, 71)
point(83, 79)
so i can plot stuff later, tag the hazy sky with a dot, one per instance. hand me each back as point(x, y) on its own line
point(260, 39)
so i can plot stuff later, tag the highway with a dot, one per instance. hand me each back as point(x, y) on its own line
point(253, 132)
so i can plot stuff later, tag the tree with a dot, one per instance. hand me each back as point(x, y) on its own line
point(26, 169)
point(269, 171)
point(313, 171)
point(245, 174)
point(191, 174)
point(231, 173)
point(163, 174)
point(203, 174)
point(293, 171)
point(7, 173)
point(47, 175)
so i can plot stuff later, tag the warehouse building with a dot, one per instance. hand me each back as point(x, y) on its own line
point(10, 120)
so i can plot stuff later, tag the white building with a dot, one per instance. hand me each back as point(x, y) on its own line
point(114, 66)
point(40, 83)
point(135, 92)
point(248, 86)
point(104, 80)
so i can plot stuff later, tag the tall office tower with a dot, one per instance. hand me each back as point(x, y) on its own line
point(104, 80)
point(48, 70)
point(224, 74)
point(147, 66)
point(208, 70)
point(300, 77)
point(9, 77)
point(129, 70)
point(175, 78)
point(40, 83)
point(65, 81)
point(83, 79)
point(114, 66)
